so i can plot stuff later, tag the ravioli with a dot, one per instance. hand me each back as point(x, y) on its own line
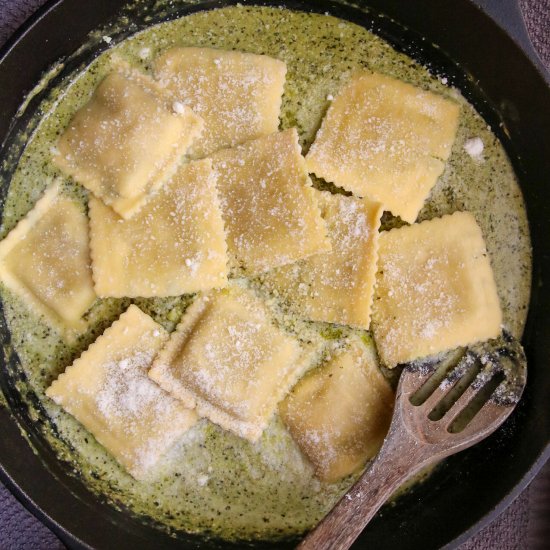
point(335, 286)
point(269, 207)
point(108, 391)
point(227, 359)
point(340, 412)
point(386, 140)
point(237, 94)
point(127, 140)
point(45, 260)
point(435, 289)
point(174, 245)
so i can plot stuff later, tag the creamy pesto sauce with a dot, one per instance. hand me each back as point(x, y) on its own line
point(213, 481)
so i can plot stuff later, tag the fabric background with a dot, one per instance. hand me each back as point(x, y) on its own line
point(524, 525)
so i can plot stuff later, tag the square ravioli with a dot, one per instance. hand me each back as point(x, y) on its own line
point(108, 391)
point(45, 260)
point(237, 94)
point(435, 289)
point(127, 140)
point(339, 413)
point(386, 140)
point(336, 286)
point(174, 245)
point(228, 359)
point(270, 209)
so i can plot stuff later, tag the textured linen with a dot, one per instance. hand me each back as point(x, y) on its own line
point(526, 522)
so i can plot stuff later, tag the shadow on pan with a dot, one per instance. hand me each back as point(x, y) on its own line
point(469, 489)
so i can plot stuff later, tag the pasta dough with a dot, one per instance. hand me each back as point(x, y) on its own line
point(108, 391)
point(238, 94)
point(385, 140)
point(126, 141)
point(270, 209)
point(174, 245)
point(336, 286)
point(228, 360)
point(435, 289)
point(45, 260)
point(339, 413)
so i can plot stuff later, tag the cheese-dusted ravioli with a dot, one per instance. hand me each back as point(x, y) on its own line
point(229, 360)
point(435, 289)
point(127, 140)
point(237, 94)
point(335, 286)
point(386, 140)
point(45, 260)
point(340, 412)
point(269, 207)
point(174, 245)
point(108, 391)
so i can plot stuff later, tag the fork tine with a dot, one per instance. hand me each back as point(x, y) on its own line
point(431, 375)
point(483, 377)
point(411, 380)
point(461, 403)
point(484, 421)
point(464, 368)
point(497, 388)
point(438, 394)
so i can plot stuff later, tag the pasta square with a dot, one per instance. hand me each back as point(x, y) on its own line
point(228, 360)
point(340, 412)
point(126, 141)
point(108, 391)
point(174, 245)
point(335, 286)
point(270, 209)
point(237, 94)
point(45, 260)
point(435, 289)
point(386, 140)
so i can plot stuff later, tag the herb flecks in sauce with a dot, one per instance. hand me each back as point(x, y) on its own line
point(213, 480)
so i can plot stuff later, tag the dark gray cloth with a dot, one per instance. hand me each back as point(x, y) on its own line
point(20, 530)
point(525, 524)
point(537, 20)
point(13, 13)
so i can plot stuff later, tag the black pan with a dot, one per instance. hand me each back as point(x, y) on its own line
point(454, 38)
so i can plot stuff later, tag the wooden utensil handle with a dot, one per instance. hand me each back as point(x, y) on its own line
point(398, 460)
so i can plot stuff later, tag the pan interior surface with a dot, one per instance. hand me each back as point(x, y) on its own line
point(25, 384)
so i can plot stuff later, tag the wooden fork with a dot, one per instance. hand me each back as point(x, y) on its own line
point(442, 407)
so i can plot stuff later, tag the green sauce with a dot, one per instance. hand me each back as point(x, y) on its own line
point(213, 481)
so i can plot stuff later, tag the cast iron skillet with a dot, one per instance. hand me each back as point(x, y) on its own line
point(492, 71)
